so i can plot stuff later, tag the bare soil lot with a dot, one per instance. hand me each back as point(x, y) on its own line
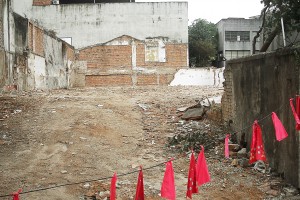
point(77, 135)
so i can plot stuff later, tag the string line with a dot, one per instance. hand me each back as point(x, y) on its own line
point(88, 181)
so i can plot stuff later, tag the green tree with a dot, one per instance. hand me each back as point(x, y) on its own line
point(202, 42)
point(273, 11)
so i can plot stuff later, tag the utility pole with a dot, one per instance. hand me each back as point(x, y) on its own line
point(283, 33)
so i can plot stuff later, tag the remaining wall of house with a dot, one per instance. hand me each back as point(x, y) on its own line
point(139, 43)
point(128, 61)
point(90, 24)
point(256, 86)
point(50, 59)
point(40, 60)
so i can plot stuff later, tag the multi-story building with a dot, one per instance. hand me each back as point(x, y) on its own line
point(236, 35)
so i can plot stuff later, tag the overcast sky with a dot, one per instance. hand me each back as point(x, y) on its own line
point(215, 10)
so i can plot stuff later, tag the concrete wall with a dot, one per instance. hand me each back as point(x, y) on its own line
point(90, 24)
point(256, 86)
point(199, 76)
point(237, 24)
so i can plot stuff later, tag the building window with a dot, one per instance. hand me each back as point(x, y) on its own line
point(231, 54)
point(233, 36)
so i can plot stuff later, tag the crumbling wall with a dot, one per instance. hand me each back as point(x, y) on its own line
point(41, 60)
point(136, 62)
point(256, 86)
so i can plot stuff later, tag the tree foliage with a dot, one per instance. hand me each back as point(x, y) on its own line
point(202, 42)
point(272, 13)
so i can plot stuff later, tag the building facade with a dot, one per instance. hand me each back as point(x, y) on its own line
point(140, 43)
point(236, 35)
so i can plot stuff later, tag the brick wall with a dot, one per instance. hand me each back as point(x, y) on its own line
point(165, 79)
point(111, 63)
point(176, 56)
point(42, 2)
point(36, 39)
point(140, 55)
point(104, 80)
point(70, 52)
point(227, 98)
point(107, 57)
point(143, 79)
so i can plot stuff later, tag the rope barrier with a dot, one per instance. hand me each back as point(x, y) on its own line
point(88, 181)
point(259, 120)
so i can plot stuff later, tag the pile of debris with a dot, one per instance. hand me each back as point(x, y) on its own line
point(195, 128)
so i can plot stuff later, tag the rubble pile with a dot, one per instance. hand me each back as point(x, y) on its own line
point(192, 134)
point(194, 128)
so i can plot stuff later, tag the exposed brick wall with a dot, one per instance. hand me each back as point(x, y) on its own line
point(165, 79)
point(42, 2)
point(104, 80)
point(227, 98)
point(176, 56)
point(70, 53)
point(36, 39)
point(150, 79)
point(108, 63)
point(107, 57)
point(140, 55)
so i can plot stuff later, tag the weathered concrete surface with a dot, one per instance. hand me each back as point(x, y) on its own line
point(201, 76)
point(256, 86)
point(89, 24)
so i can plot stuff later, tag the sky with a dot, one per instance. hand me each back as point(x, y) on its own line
point(215, 10)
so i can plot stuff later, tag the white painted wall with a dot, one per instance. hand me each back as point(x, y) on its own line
point(89, 24)
point(199, 76)
point(48, 72)
point(37, 67)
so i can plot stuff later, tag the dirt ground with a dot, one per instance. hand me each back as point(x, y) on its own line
point(63, 137)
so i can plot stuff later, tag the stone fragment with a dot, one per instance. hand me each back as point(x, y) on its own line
point(193, 114)
point(234, 163)
point(242, 153)
point(273, 192)
point(233, 147)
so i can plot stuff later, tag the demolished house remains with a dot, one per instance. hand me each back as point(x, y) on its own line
point(120, 43)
